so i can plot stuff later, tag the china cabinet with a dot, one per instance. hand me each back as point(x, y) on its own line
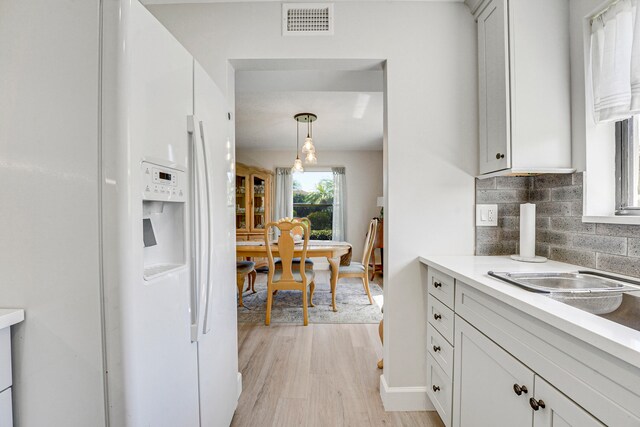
point(253, 201)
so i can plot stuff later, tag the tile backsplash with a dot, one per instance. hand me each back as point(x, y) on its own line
point(560, 233)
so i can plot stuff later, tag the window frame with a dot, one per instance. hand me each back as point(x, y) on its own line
point(625, 168)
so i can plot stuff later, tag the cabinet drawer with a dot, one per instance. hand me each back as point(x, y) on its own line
point(441, 317)
point(6, 416)
point(441, 286)
point(439, 390)
point(440, 350)
point(5, 358)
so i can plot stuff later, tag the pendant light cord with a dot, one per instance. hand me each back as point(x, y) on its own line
point(297, 136)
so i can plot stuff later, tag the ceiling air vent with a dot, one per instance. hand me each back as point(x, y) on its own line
point(307, 19)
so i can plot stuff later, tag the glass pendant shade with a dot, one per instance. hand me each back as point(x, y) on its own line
point(308, 147)
point(297, 166)
point(311, 158)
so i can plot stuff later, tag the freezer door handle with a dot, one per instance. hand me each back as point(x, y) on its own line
point(209, 283)
point(200, 241)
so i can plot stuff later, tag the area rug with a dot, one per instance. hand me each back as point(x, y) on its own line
point(351, 301)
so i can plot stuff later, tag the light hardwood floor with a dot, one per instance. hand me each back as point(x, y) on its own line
point(316, 375)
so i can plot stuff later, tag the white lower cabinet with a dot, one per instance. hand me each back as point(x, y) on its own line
point(492, 388)
point(558, 410)
point(6, 417)
point(439, 390)
point(485, 377)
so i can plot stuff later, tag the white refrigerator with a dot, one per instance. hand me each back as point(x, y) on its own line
point(141, 331)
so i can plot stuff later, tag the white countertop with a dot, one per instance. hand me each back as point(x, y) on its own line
point(615, 339)
point(10, 316)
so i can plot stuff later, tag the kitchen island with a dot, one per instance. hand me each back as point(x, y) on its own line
point(501, 355)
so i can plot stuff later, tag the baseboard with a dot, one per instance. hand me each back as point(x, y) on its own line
point(404, 398)
point(239, 384)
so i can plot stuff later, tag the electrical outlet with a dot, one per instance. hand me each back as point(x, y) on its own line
point(487, 215)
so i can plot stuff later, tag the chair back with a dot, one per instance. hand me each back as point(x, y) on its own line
point(285, 244)
point(370, 240)
point(298, 231)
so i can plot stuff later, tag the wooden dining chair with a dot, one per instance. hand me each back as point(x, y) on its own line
point(288, 277)
point(244, 269)
point(299, 233)
point(360, 270)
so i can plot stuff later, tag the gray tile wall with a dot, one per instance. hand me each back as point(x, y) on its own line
point(560, 233)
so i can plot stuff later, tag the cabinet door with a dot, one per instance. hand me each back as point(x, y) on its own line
point(493, 80)
point(484, 379)
point(242, 202)
point(6, 415)
point(558, 410)
point(259, 208)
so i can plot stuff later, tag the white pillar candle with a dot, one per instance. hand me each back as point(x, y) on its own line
point(528, 230)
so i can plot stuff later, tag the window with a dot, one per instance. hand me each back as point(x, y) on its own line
point(313, 198)
point(628, 167)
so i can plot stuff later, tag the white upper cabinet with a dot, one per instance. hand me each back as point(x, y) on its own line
point(524, 86)
point(493, 71)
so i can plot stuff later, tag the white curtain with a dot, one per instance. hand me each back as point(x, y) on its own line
point(615, 62)
point(339, 204)
point(283, 207)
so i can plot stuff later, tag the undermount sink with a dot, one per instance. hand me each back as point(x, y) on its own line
point(576, 282)
point(608, 296)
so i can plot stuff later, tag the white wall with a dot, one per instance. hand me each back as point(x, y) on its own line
point(364, 183)
point(49, 257)
point(431, 136)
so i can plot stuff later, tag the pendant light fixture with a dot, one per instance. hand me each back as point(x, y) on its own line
point(308, 142)
point(311, 158)
point(308, 148)
point(297, 164)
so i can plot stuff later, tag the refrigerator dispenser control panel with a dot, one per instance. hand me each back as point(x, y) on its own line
point(163, 183)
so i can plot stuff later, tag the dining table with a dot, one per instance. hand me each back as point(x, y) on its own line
point(332, 250)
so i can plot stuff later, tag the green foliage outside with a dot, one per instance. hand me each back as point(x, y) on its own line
point(323, 194)
point(299, 198)
point(321, 220)
point(317, 205)
point(321, 234)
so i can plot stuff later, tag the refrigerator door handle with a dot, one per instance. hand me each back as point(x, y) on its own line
point(200, 230)
point(209, 283)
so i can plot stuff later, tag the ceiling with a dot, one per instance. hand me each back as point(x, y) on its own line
point(348, 103)
point(346, 120)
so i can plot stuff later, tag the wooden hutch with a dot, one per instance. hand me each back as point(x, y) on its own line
point(253, 201)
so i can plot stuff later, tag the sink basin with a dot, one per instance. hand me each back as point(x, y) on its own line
point(576, 282)
point(628, 313)
point(590, 291)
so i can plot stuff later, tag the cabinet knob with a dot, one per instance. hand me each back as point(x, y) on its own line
point(536, 404)
point(499, 156)
point(435, 388)
point(436, 348)
point(437, 284)
point(518, 389)
point(437, 316)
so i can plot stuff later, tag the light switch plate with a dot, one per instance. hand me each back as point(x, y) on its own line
point(487, 215)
